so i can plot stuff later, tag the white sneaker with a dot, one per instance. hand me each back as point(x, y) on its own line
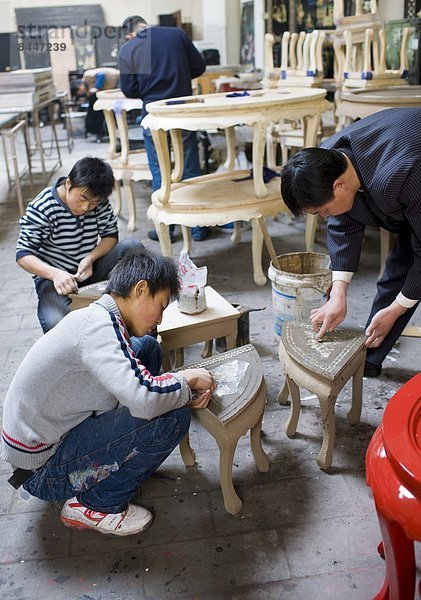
point(133, 520)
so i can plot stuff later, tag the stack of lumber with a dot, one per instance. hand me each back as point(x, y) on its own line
point(26, 88)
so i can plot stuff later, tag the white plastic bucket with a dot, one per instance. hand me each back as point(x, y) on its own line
point(300, 285)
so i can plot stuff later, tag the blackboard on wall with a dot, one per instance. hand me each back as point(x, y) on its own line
point(33, 25)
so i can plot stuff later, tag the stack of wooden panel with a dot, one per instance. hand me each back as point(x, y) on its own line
point(26, 88)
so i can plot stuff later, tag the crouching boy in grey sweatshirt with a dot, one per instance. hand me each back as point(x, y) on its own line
point(87, 418)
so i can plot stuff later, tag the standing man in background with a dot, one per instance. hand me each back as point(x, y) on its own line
point(158, 63)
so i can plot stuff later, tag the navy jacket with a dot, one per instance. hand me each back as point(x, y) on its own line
point(159, 63)
point(385, 150)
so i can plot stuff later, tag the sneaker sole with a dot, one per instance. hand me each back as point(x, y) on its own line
point(78, 525)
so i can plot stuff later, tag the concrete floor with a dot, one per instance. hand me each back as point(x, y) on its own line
point(302, 532)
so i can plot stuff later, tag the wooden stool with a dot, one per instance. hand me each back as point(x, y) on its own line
point(393, 464)
point(236, 407)
point(179, 330)
point(87, 294)
point(323, 368)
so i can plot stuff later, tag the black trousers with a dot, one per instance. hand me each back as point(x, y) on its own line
point(94, 122)
point(389, 285)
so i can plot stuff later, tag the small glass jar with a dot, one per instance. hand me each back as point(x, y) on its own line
point(192, 300)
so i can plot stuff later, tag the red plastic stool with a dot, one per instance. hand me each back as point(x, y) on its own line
point(393, 464)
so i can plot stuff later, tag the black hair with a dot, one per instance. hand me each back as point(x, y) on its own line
point(93, 174)
point(131, 23)
point(140, 264)
point(307, 178)
point(75, 87)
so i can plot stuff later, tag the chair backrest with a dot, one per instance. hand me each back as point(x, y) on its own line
point(302, 59)
point(365, 59)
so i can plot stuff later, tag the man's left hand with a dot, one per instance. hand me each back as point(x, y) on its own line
point(382, 323)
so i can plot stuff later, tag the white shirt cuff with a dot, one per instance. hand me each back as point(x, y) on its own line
point(404, 301)
point(342, 276)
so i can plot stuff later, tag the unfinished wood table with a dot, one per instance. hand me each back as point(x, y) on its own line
point(236, 407)
point(323, 368)
point(358, 104)
point(179, 330)
point(217, 199)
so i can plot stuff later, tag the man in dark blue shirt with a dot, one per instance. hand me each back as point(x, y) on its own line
point(367, 174)
point(158, 63)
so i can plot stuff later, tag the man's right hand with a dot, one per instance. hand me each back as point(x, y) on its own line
point(330, 315)
point(64, 283)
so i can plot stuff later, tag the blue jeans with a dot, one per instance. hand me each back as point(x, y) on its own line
point(52, 307)
point(104, 460)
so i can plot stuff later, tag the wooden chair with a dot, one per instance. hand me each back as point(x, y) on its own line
point(322, 368)
point(357, 24)
point(302, 65)
point(128, 165)
point(231, 414)
point(365, 60)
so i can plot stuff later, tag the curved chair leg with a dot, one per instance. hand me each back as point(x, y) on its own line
point(117, 201)
point(284, 393)
point(270, 150)
point(163, 232)
point(292, 422)
point(232, 501)
point(131, 205)
point(257, 246)
point(236, 234)
point(354, 413)
point(284, 152)
point(327, 407)
point(399, 581)
point(262, 461)
point(230, 145)
point(186, 451)
point(187, 244)
point(311, 227)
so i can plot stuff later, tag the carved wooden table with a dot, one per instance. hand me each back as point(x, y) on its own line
point(358, 104)
point(216, 199)
point(323, 368)
point(236, 407)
